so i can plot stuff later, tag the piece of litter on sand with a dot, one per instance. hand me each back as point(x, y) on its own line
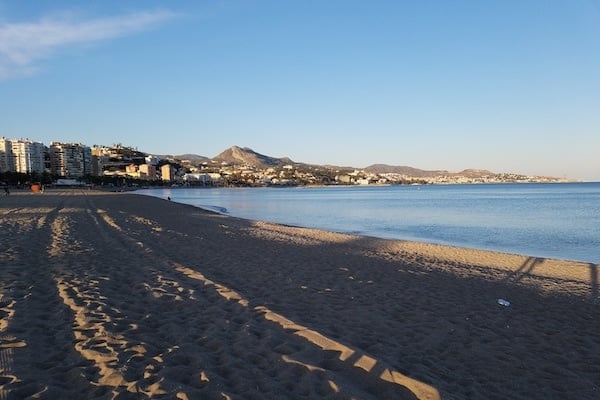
point(504, 303)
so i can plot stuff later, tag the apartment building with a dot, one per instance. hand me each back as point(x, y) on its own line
point(167, 173)
point(70, 160)
point(100, 158)
point(22, 155)
point(147, 171)
point(7, 162)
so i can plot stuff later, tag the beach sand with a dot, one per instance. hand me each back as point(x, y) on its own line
point(118, 295)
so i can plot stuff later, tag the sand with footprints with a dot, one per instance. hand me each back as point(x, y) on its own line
point(119, 296)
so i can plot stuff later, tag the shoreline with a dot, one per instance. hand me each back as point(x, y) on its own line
point(160, 298)
point(501, 247)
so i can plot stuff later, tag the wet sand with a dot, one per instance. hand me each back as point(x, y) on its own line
point(118, 295)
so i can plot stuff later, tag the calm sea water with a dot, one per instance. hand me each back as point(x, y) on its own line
point(542, 220)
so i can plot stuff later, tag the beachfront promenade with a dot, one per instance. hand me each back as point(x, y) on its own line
point(117, 295)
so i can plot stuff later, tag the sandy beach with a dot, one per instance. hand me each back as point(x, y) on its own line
point(123, 296)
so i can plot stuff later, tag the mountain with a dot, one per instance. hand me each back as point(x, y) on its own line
point(246, 157)
point(241, 156)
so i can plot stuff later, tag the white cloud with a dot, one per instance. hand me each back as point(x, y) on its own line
point(22, 44)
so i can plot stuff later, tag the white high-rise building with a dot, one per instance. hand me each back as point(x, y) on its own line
point(28, 156)
point(7, 161)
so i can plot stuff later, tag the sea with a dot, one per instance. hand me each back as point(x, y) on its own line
point(552, 220)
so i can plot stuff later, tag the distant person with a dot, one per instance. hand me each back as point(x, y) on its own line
point(6, 191)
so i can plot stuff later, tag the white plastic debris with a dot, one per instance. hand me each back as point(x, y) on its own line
point(504, 303)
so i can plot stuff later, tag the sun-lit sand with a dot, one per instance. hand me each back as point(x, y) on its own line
point(118, 295)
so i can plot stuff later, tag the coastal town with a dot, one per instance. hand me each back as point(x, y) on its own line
point(24, 161)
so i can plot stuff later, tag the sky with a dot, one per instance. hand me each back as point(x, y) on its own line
point(508, 86)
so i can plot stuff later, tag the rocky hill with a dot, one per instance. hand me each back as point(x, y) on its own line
point(244, 156)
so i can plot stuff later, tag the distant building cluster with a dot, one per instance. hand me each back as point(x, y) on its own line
point(120, 164)
point(70, 160)
point(76, 160)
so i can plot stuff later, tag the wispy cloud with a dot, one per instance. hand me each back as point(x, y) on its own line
point(22, 44)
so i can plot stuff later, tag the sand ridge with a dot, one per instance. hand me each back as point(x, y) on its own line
point(121, 296)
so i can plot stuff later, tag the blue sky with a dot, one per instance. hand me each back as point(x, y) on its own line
point(509, 86)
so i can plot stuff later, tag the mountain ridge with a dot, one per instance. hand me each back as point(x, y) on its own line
point(245, 156)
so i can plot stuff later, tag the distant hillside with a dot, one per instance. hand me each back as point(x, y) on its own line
point(193, 158)
point(475, 173)
point(420, 173)
point(245, 156)
point(403, 170)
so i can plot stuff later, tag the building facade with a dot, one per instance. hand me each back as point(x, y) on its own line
point(7, 161)
point(167, 173)
point(70, 160)
point(26, 156)
point(147, 171)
